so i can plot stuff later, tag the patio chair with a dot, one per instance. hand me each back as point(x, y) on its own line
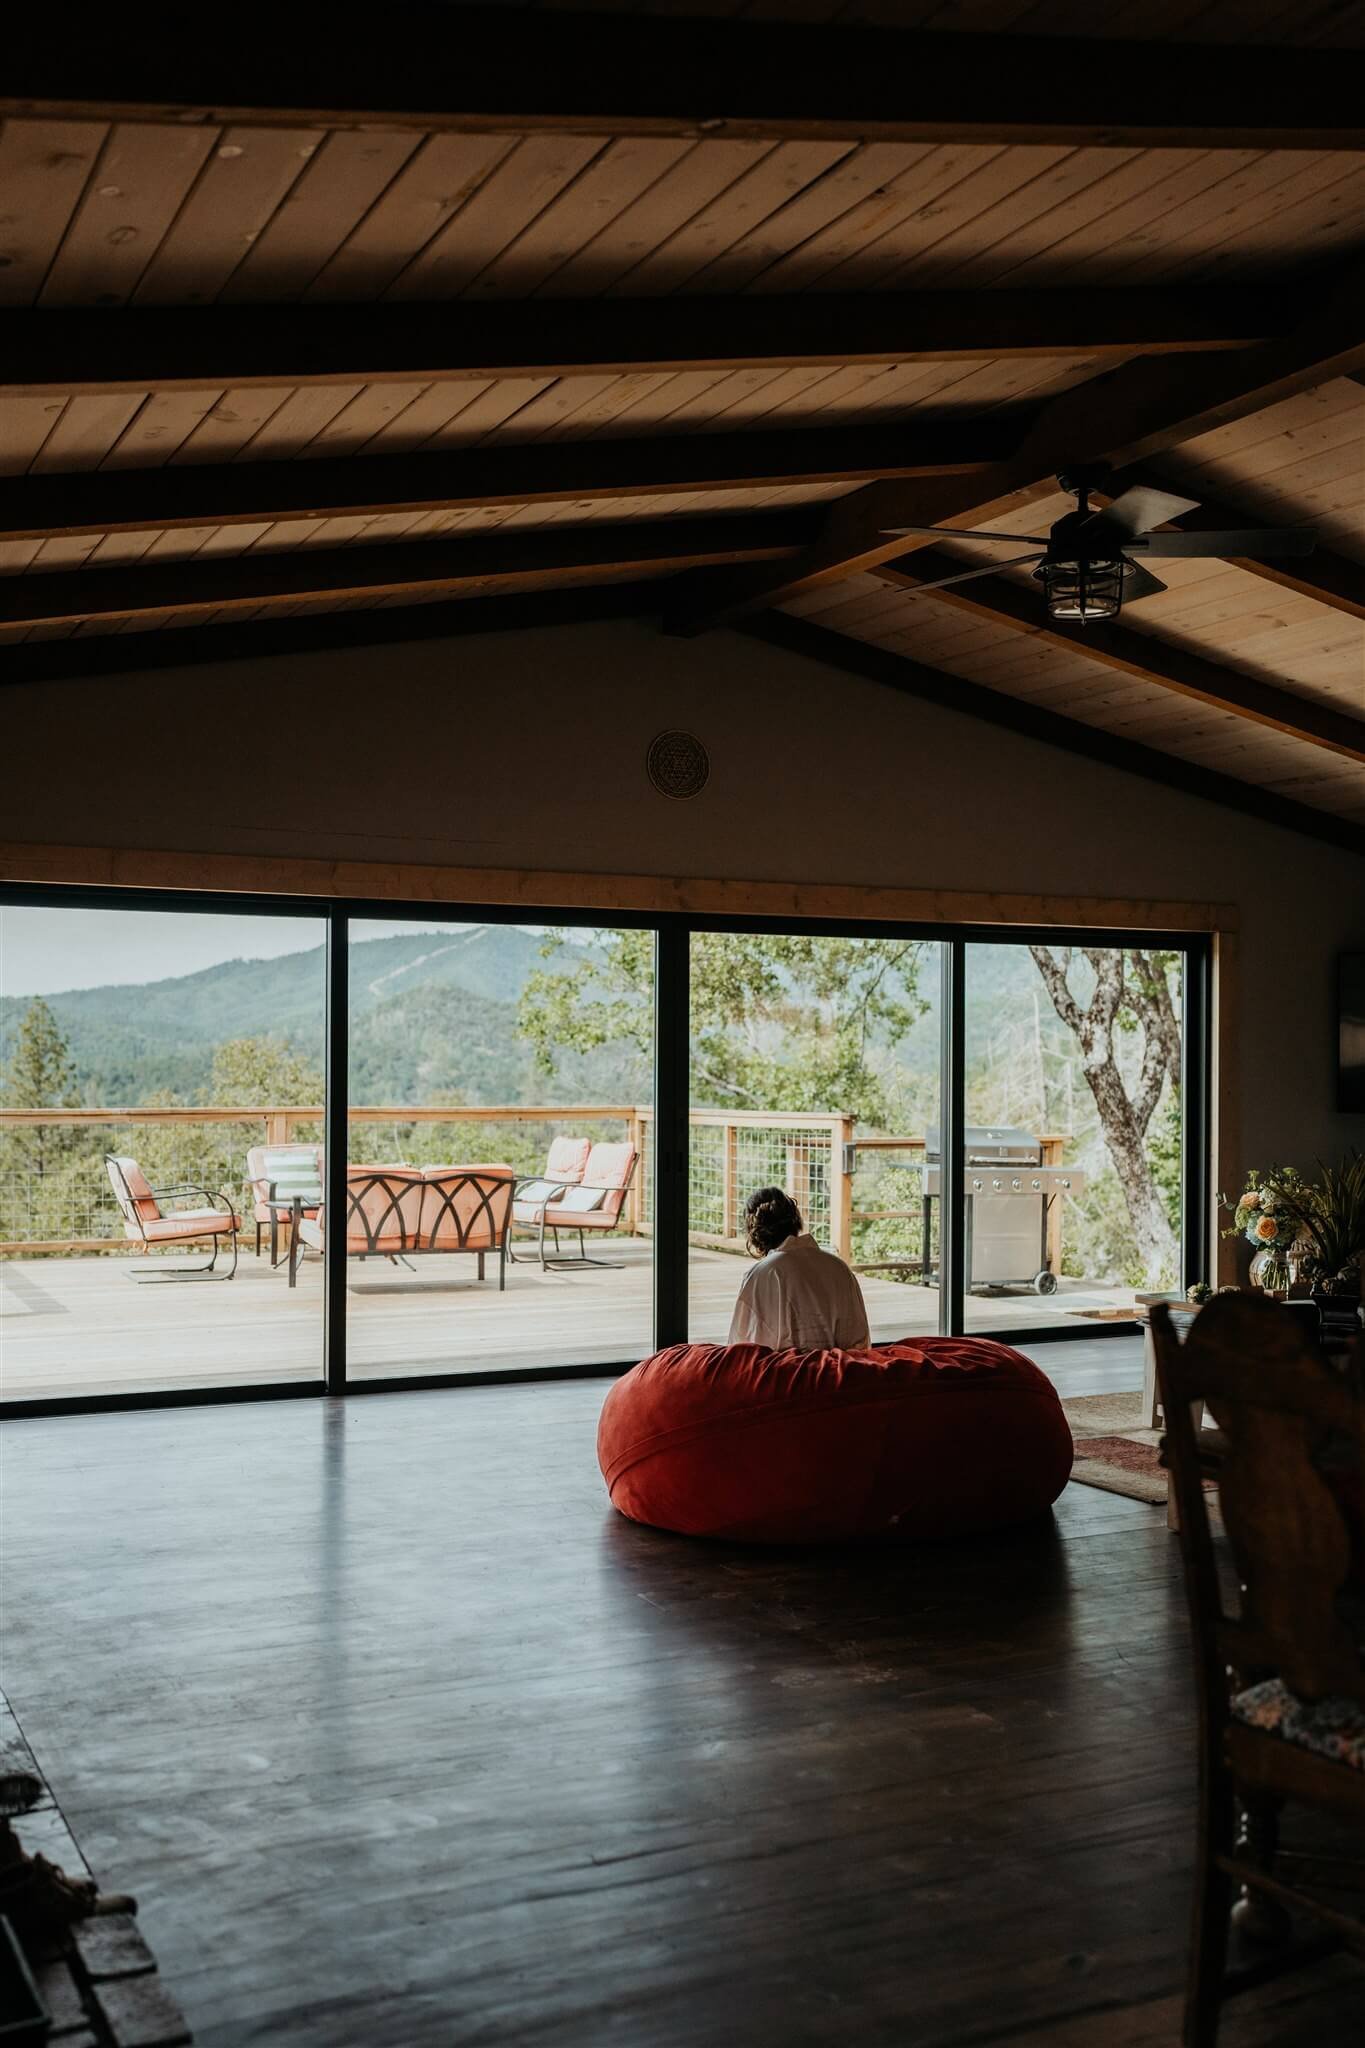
point(281, 1177)
point(595, 1204)
point(1280, 1668)
point(564, 1164)
point(147, 1224)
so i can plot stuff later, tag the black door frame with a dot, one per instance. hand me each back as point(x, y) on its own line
point(673, 932)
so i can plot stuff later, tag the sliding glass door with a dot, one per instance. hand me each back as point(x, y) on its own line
point(256, 1146)
point(161, 1105)
point(1073, 1153)
point(499, 1171)
point(815, 1068)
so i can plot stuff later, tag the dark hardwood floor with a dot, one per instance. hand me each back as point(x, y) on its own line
point(403, 1738)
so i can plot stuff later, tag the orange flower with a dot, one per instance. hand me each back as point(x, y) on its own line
point(1267, 1229)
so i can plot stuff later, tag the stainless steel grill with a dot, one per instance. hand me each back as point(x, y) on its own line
point(1008, 1193)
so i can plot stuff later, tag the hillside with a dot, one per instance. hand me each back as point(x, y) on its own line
point(433, 1014)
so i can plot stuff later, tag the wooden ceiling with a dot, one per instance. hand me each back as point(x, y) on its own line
point(685, 305)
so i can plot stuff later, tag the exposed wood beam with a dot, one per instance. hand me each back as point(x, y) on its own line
point(952, 693)
point(143, 652)
point(479, 68)
point(41, 507)
point(1327, 578)
point(89, 351)
point(1143, 656)
point(411, 571)
point(1124, 418)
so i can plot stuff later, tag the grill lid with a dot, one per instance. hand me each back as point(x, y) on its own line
point(986, 1143)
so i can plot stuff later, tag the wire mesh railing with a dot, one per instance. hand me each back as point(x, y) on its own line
point(861, 1195)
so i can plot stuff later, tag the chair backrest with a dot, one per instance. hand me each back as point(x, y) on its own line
point(565, 1161)
point(1289, 1487)
point(294, 1169)
point(465, 1208)
point(611, 1168)
point(137, 1203)
point(383, 1208)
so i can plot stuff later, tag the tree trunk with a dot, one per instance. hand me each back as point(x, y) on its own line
point(1123, 1121)
point(1156, 1241)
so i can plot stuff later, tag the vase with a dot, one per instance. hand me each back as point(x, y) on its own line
point(1270, 1272)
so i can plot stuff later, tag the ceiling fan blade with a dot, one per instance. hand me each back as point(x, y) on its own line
point(1032, 540)
point(1251, 540)
point(1142, 507)
point(967, 575)
point(1139, 583)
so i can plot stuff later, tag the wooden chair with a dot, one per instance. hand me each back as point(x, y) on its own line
point(1281, 1680)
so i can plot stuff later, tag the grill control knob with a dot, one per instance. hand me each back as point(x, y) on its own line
point(1016, 1185)
point(976, 1187)
point(996, 1185)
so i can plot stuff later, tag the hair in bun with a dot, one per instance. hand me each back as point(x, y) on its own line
point(770, 1218)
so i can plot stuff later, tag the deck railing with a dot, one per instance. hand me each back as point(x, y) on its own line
point(815, 1157)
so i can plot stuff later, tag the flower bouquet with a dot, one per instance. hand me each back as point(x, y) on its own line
point(1269, 1214)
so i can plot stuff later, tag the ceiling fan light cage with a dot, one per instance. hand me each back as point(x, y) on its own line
point(1081, 592)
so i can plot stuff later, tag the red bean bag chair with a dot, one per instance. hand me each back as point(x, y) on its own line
point(934, 1436)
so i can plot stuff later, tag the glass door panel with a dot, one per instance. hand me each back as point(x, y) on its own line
point(1072, 1175)
point(814, 1068)
point(499, 1205)
point(157, 1070)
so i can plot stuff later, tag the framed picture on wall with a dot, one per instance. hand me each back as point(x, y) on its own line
point(1351, 1032)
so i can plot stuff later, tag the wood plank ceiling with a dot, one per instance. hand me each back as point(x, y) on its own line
point(277, 357)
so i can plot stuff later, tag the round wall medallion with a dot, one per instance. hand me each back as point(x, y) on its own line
point(678, 764)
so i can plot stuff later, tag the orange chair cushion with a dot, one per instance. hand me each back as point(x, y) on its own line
point(566, 1161)
point(932, 1436)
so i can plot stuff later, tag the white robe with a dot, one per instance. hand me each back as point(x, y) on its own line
point(799, 1298)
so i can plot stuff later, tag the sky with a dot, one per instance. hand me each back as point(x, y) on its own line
point(44, 952)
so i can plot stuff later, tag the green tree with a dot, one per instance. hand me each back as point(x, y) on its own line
point(47, 1170)
point(263, 1073)
point(40, 1074)
point(1131, 997)
point(778, 1021)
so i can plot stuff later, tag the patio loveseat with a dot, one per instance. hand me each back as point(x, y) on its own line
point(406, 1212)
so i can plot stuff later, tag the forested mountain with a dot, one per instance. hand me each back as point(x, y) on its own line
point(433, 1016)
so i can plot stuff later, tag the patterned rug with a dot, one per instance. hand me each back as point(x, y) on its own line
point(1113, 1451)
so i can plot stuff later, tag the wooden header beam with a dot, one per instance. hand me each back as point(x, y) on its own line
point(58, 352)
point(1110, 421)
point(411, 571)
point(1143, 656)
point(489, 68)
point(42, 507)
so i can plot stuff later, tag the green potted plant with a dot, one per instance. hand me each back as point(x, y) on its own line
point(1332, 1228)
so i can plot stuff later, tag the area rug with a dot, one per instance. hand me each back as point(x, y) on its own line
point(1113, 1451)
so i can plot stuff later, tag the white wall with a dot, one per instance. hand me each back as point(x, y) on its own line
point(527, 750)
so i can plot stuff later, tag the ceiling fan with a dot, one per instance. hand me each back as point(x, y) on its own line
point(1085, 565)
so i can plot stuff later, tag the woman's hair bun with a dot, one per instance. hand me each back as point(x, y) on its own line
point(770, 1218)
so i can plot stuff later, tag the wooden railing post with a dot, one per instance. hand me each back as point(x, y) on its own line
point(635, 1131)
point(278, 1126)
point(841, 1187)
point(1053, 1147)
point(729, 1182)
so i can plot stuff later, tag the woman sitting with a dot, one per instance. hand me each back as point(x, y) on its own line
point(797, 1297)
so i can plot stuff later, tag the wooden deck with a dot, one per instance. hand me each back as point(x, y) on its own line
point(83, 1326)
